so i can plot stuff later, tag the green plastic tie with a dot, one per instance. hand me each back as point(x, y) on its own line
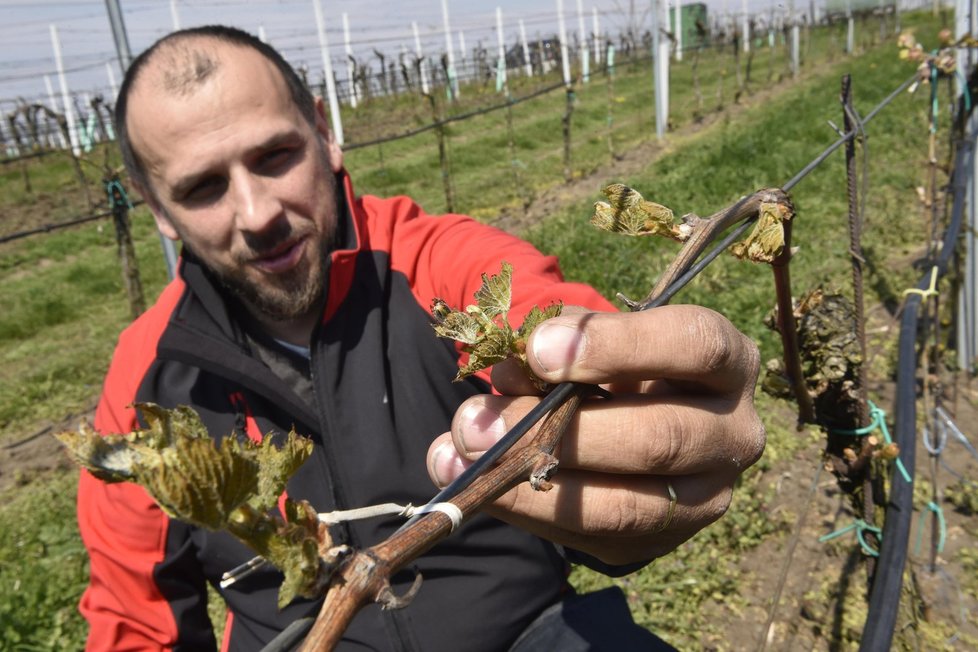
point(941, 527)
point(860, 526)
point(122, 199)
point(878, 422)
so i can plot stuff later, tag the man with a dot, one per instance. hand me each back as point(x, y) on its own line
point(300, 304)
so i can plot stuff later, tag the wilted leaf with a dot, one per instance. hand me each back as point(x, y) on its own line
point(231, 485)
point(293, 546)
point(626, 212)
point(483, 329)
point(165, 425)
point(535, 317)
point(198, 483)
point(495, 346)
point(108, 458)
point(496, 293)
point(766, 240)
point(460, 326)
point(276, 465)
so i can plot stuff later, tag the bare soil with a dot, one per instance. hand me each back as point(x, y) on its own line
point(803, 619)
point(37, 453)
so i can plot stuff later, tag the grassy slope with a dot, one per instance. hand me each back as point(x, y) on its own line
point(62, 294)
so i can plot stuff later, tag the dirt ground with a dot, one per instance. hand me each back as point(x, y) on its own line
point(809, 494)
point(38, 452)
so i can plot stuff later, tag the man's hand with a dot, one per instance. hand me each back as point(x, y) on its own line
point(681, 415)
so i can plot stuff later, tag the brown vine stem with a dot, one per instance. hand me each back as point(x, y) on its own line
point(788, 329)
point(365, 576)
point(704, 231)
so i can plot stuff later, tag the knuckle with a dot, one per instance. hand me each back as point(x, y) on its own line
point(752, 361)
point(717, 506)
point(619, 512)
point(718, 350)
point(755, 441)
point(667, 450)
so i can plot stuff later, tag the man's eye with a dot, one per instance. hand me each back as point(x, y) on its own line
point(205, 190)
point(276, 159)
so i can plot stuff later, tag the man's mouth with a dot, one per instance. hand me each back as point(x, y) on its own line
point(281, 258)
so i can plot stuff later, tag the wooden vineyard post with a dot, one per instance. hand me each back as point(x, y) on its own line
point(566, 122)
point(446, 175)
point(127, 252)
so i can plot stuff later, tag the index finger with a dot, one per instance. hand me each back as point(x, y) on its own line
point(685, 343)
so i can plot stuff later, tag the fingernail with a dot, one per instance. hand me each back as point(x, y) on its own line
point(447, 464)
point(556, 346)
point(480, 428)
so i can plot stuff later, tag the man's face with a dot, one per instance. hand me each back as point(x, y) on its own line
point(241, 177)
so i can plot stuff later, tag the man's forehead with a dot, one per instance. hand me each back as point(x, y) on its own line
point(181, 66)
point(238, 102)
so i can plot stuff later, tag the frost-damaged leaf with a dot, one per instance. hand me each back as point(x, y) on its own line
point(496, 293)
point(766, 240)
point(231, 485)
point(626, 212)
point(292, 545)
point(484, 330)
point(535, 317)
point(198, 483)
point(108, 458)
point(459, 326)
point(495, 346)
point(166, 425)
point(276, 465)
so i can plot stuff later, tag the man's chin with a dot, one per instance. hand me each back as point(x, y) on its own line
point(281, 301)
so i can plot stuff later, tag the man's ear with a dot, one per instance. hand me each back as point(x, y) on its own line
point(163, 222)
point(333, 150)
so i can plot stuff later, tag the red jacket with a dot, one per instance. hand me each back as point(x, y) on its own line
point(382, 391)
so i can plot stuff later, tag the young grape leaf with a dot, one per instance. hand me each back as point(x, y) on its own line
point(276, 464)
point(766, 240)
point(494, 346)
point(230, 485)
point(535, 317)
point(483, 328)
point(496, 293)
point(628, 213)
point(198, 483)
point(459, 326)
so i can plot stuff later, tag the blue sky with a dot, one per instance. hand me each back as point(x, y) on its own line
point(26, 53)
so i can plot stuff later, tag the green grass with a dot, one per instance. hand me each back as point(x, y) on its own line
point(43, 568)
point(64, 303)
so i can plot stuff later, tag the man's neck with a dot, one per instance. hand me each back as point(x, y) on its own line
point(296, 331)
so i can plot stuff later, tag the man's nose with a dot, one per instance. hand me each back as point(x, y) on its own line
point(257, 207)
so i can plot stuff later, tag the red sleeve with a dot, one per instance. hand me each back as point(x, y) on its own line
point(121, 526)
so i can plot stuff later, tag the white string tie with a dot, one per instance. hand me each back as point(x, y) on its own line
point(451, 510)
